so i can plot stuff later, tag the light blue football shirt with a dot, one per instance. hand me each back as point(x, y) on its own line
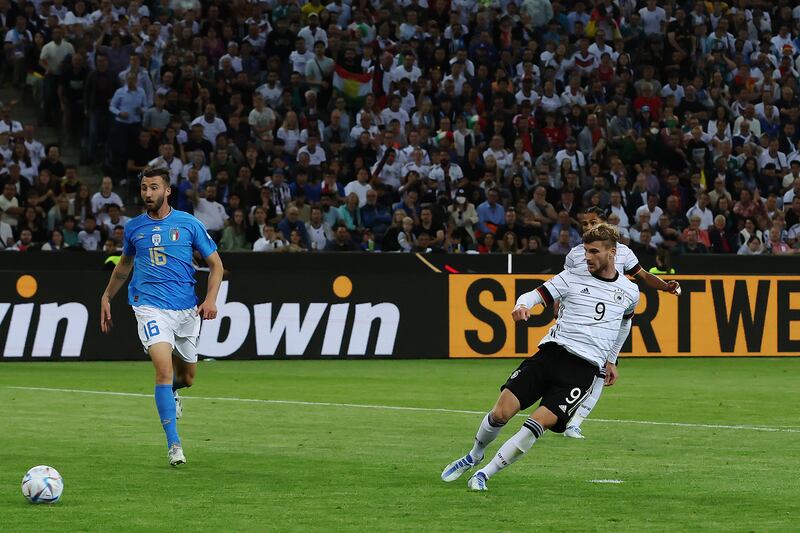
point(163, 274)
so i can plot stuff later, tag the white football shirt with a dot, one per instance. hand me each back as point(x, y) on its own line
point(590, 311)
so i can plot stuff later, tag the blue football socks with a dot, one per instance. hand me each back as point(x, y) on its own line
point(165, 403)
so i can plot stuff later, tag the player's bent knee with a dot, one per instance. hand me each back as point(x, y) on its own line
point(164, 377)
point(545, 417)
point(506, 408)
point(501, 416)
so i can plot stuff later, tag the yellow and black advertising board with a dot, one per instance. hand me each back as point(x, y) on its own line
point(714, 316)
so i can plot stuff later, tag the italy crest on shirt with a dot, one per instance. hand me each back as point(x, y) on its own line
point(174, 234)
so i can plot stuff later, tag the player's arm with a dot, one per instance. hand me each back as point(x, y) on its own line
point(208, 309)
point(118, 278)
point(651, 280)
point(622, 336)
point(569, 262)
point(529, 300)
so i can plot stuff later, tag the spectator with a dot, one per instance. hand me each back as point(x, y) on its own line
point(189, 191)
point(375, 216)
point(271, 241)
point(433, 228)
point(99, 89)
point(691, 244)
point(25, 242)
point(360, 186)
point(111, 218)
point(562, 245)
point(292, 222)
point(127, 106)
point(391, 237)
point(722, 241)
point(10, 208)
point(280, 193)
point(296, 243)
point(52, 58)
point(753, 246)
point(342, 240)
point(487, 244)
point(776, 244)
point(702, 234)
point(70, 231)
point(564, 224)
point(319, 233)
point(212, 125)
point(509, 244)
point(750, 230)
point(56, 242)
point(702, 210)
point(234, 237)
point(490, 213)
point(406, 239)
point(6, 234)
point(105, 196)
point(210, 212)
point(90, 237)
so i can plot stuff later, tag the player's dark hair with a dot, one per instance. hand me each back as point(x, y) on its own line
point(594, 210)
point(155, 172)
point(602, 232)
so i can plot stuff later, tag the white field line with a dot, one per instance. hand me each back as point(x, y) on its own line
point(772, 429)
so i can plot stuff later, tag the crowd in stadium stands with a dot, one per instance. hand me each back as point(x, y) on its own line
point(410, 125)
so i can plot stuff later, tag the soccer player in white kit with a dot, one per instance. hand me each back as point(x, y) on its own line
point(580, 349)
point(626, 263)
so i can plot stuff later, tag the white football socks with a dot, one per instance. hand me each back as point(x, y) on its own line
point(588, 404)
point(487, 432)
point(514, 448)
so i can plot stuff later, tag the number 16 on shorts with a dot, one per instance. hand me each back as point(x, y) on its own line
point(151, 330)
point(154, 326)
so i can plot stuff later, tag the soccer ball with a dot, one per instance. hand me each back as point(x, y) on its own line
point(42, 484)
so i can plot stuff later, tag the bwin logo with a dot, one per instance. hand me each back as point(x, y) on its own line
point(51, 315)
point(287, 325)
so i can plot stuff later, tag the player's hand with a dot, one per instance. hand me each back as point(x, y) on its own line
point(611, 374)
point(207, 310)
point(105, 315)
point(521, 313)
point(674, 288)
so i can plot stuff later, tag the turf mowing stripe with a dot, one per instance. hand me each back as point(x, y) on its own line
point(773, 429)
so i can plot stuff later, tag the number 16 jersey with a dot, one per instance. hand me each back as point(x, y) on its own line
point(163, 273)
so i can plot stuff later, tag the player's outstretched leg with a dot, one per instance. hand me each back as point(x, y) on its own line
point(506, 407)
point(515, 447)
point(574, 427)
point(161, 355)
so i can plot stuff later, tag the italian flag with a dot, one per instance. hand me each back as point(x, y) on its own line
point(353, 86)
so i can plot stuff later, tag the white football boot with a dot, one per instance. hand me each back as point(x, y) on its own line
point(454, 470)
point(477, 482)
point(178, 405)
point(176, 456)
point(574, 432)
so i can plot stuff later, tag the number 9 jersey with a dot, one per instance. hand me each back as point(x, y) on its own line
point(590, 312)
point(163, 273)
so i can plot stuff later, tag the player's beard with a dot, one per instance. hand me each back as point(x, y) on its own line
point(155, 207)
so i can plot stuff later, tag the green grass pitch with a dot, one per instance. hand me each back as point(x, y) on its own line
point(258, 466)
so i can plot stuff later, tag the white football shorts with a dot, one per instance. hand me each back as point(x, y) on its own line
point(180, 328)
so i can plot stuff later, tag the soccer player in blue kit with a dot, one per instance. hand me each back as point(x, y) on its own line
point(158, 247)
